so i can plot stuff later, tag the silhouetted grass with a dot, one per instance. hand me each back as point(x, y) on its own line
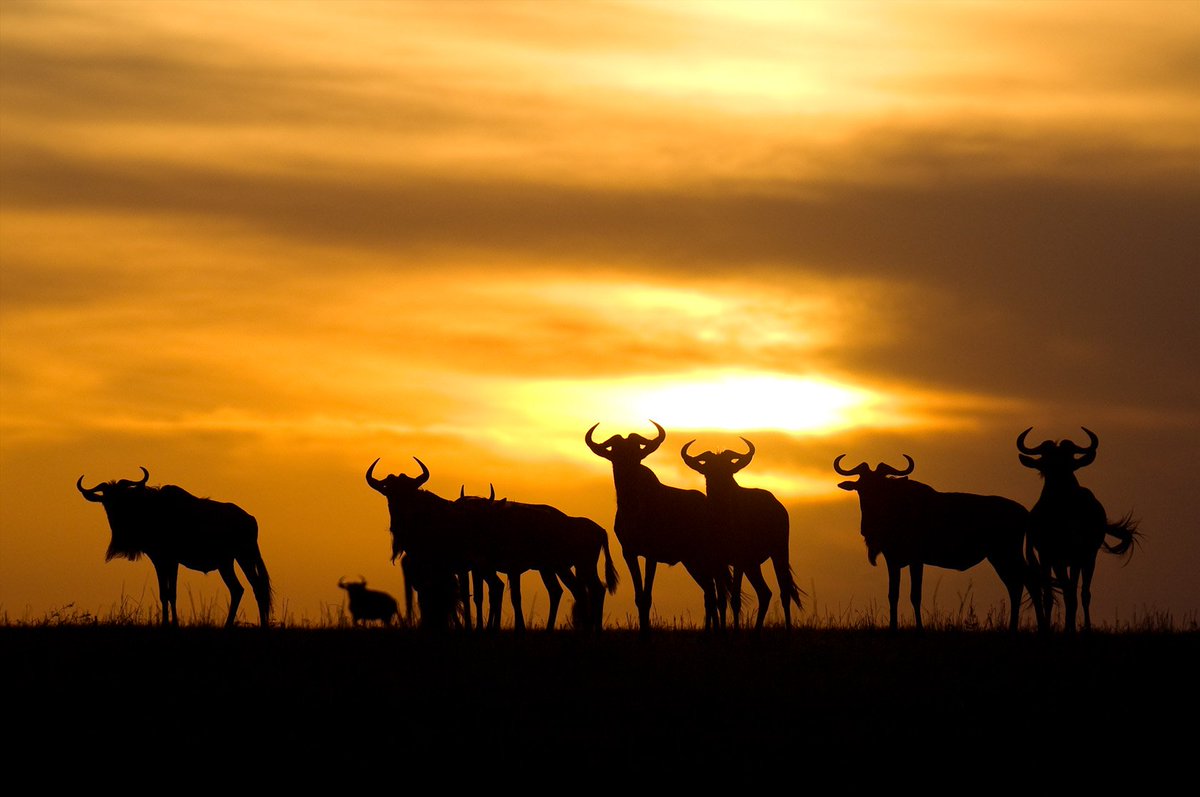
point(581, 705)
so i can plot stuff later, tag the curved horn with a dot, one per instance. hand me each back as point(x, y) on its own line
point(376, 484)
point(1024, 449)
point(748, 456)
point(653, 445)
point(692, 462)
point(491, 492)
point(88, 494)
point(1088, 455)
point(888, 470)
point(861, 469)
point(146, 477)
point(424, 477)
point(597, 449)
point(462, 491)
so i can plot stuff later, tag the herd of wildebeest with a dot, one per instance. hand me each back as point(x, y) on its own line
point(450, 549)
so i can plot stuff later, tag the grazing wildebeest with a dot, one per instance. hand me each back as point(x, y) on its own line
point(517, 536)
point(662, 524)
point(913, 525)
point(172, 527)
point(369, 604)
point(1069, 523)
point(755, 525)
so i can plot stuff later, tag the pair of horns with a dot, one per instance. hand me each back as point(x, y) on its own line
point(378, 484)
point(600, 449)
point(95, 493)
point(693, 462)
point(882, 469)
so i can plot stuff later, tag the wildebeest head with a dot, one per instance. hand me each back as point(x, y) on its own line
point(1063, 457)
point(625, 450)
point(404, 496)
point(722, 464)
point(884, 509)
point(128, 513)
point(351, 586)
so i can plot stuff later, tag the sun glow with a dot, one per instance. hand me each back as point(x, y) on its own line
point(724, 400)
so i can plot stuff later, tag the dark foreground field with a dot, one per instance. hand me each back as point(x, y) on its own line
point(563, 703)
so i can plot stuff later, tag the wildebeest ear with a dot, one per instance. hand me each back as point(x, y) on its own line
point(1029, 462)
point(849, 485)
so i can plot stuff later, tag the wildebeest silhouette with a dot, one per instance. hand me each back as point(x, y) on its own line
point(369, 604)
point(515, 537)
point(662, 524)
point(172, 527)
point(432, 535)
point(754, 525)
point(1069, 524)
point(913, 525)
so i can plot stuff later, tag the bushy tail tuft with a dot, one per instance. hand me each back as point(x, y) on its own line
point(1127, 534)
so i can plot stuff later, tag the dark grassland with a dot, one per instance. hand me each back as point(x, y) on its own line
point(563, 703)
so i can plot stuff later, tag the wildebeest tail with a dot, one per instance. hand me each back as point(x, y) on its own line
point(791, 590)
point(610, 572)
point(1127, 534)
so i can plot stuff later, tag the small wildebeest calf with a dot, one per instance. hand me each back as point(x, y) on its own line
point(369, 604)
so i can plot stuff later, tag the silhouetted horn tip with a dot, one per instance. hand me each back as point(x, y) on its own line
point(658, 440)
point(858, 470)
point(424, 477)
point(597, 448)
point(371, 480)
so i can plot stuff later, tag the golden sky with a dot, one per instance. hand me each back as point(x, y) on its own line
point(253, 246)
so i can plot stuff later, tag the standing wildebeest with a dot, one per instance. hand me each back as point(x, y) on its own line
point(663, 524)
point(755, 525)
point(515, 537)
point(913, 525)
point(369, 604)
point(173, 527)
point(432, 535)
point(1069, 524)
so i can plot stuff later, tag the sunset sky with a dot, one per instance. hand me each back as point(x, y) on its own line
point(253, 246)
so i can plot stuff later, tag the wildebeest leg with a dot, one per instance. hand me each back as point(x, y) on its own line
point(763, 592)
point(555, 590)
point(1085, 592)
point(647, 595)
point(1032, 574)
point(579, 584)
point(168, 575)
point(235, 590)
point(514, 596)
point(464, 599)
point(1012, 572)
point(495, 600)
point(635, 575)
point(722, 585)
point(916, 571)
point(735, 596)
point(787, 585)
point(256, 573)
point(477, 588)
point(406, 577)
point(1070, 582)
point(893, 591)
point(592, 589)
point(1047, 586)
